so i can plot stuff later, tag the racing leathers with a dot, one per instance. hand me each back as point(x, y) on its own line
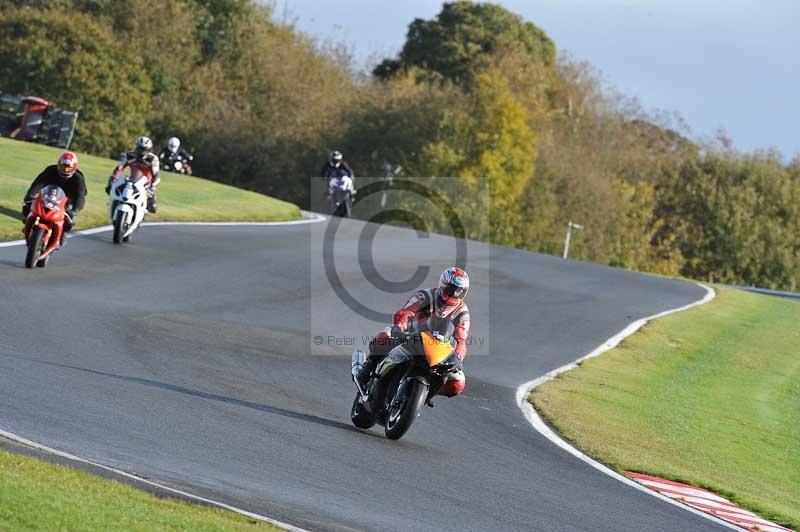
point(419, 308)
point(74, 187)
point(150, 166)
point(329, 171)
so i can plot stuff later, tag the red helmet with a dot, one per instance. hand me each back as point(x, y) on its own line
point(67, 164)
point(453, 287)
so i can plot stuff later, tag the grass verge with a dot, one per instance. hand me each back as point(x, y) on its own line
point(37, 495)
point(180, 198)
point(709, 396)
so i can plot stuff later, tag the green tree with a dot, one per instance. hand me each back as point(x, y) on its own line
point(220, 22)
point(393, 122)
point(632, 233)
point(541, 229)
point(460, 36)
point(262, 113)
point(734, 219)
point(489, 142)
point(81, 67)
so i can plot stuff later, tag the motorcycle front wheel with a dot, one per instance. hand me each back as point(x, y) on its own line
point(403, 409)
point(359, 415)
point(34, 247)
point(119, 227)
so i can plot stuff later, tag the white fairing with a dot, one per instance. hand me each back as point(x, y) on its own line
point(129, 200)
point(342, 184)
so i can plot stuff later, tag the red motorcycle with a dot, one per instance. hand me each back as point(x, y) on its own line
point(45, 225)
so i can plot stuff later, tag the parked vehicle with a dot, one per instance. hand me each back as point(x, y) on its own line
point(44, 225)
point(406, 379)
point(36, 120)
point(128, 203)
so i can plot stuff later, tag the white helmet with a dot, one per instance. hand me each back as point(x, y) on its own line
point(144, 144)
point(335, 157)
point(173, 144)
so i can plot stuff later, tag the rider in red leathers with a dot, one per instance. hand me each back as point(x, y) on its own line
point(143, 156)
point(447, 301)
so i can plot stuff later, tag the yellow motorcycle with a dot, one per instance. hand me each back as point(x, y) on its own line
point(410, 375)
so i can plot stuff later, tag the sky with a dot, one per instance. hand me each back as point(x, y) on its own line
point(721, 64)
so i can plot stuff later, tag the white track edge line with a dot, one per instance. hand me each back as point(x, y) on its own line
point(187, 495)
point(538, 423)
point(314, 219)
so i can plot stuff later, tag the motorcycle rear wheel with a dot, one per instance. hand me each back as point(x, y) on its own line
point(34, 247)
point(400, 417)
point(359, 416)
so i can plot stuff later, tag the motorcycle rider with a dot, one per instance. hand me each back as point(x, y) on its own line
point(336, 167)
point(142, 154)
point(64, 174)
point(172, 153)
point(445, 300)
point(340, 179)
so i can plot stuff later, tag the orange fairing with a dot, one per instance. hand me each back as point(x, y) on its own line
point(435, 351)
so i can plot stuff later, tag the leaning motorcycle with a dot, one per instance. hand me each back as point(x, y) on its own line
point(340, 193)
point(128, 203)
point(411, 374)
point(45, 225)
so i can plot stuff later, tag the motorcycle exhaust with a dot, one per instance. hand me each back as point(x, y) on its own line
point(358, 360)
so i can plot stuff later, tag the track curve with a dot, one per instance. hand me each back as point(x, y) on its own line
point(185, 358)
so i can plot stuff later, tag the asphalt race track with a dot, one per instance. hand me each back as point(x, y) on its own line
point(187, 357)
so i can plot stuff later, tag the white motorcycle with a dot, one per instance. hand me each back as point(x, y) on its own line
point(340, 194)
point(128, 204)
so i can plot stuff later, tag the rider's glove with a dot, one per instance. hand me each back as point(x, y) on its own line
point(108, 185)
point(26, 208)
point(397, 332)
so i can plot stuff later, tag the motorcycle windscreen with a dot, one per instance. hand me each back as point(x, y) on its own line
point(436, 351)
point(52, 196)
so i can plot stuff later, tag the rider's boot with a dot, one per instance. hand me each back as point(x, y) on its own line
point(67, 228)
point(366, 372)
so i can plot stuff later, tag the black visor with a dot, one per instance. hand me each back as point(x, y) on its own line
point(457, 292)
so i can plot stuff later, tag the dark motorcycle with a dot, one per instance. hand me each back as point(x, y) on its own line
point(410, 375)
point(177, 163)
